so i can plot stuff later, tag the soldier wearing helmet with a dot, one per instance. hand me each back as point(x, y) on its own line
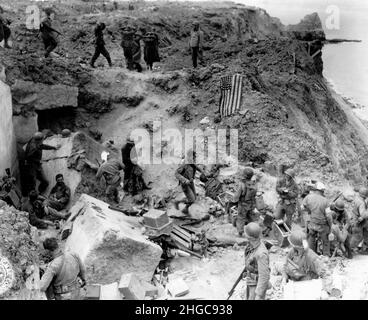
point(302, 263)
point(257, 263)
point(288, 191)
point(47, 33)
point(100, 45)
point(340, 237)
point(319, 224)
point(186, 174)
point(132, 48)
point(360, 219)
point(33, 156)
point(196, 43)
point(4, 29)
point(245, 197)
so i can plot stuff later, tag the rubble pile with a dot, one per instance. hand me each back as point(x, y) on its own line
point(110, 243)
point(17, 244)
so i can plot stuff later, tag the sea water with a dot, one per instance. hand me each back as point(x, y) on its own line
point(346, 69)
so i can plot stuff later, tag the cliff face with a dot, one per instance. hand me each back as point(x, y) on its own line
point(289, 112)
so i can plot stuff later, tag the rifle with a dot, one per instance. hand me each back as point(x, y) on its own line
point(338, 196)
point(231, 292)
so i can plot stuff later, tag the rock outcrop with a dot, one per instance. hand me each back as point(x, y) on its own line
point(42, 96)
point(17, 246)
point(110, 243)
point(309, 28)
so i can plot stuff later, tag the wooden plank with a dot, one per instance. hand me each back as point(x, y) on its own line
point(180, 230)
point(178, 234)
point(180, 240)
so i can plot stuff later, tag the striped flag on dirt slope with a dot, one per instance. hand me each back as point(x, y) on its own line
point(231, 93)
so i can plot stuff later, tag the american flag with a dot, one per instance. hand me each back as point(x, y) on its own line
point(231, 93)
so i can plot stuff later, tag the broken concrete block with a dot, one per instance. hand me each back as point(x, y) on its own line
point(177, 287)
point(131, 287)
point(151, 290)
point(110, 292)
point(156, 218)
point(199, 210)
point(110, 243)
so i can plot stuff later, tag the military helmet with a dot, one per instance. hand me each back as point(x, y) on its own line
point(196, 23)
point(65, 133)
point(296, 238)
point(248, 173)
point(319, 186)
point(38, 136)
point(363, 192)
point(252, 230)
point(339, 205)
point(290, 173)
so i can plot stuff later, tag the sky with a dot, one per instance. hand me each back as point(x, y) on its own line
point(352, 13)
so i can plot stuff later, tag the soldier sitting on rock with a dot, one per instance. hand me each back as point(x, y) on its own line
point(40, 215)
point(59, 195)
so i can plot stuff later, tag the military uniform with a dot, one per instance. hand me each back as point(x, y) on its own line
point(186, 174)
point(36, 213)
point(62, 275)
point(320, 222)
point(257, 271)
point(306, 265)
point(100, 47)
point(59, 196)
point(340, 229)
point(288, 202)
point(4, 30)
point(151, 49)
point(359, 228)
point(246, 199)
point(33, 156)
point(47, 35)
point(132, 50)
point(196, 40)
point(110, 170)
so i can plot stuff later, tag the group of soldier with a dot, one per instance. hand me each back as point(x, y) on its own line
point(131, 42)
point(60, 280)
point(322, 227)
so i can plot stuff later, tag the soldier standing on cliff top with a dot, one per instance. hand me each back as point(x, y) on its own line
point(4, 29)
point(195, 43)
point(100, 45)
point(47, 33)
